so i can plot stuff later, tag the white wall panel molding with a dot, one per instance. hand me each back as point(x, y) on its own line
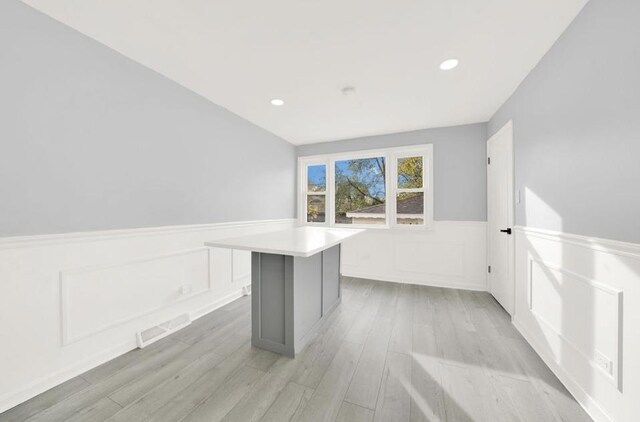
point(241, 266)
point(578, 304)
point(548, 285)
point(452, 254)
point(73, 301)
point(99, 298)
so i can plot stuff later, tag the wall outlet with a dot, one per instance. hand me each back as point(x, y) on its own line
point(185, 289)
point(604, 363)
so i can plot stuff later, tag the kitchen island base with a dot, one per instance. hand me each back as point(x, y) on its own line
point(291, 296)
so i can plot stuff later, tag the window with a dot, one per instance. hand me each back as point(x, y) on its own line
point(382, 188)
point(316, 193)
point(410, 190)
point(360, 191)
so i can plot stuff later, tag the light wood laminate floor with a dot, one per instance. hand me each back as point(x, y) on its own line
point(390, 352)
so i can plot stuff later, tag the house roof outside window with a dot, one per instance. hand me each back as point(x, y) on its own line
point(410, 207)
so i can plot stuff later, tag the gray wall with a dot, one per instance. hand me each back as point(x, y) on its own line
point(577, 128)
point(91, 140)
point(459, 154)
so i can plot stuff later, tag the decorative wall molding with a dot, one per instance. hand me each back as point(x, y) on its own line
point(614, 323)
point(241, 266)
point(452, 254)
point(55, 285)
point(587, 292)
point(68, 277)
point(592, 283)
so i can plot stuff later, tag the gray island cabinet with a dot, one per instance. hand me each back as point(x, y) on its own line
point(295, 283)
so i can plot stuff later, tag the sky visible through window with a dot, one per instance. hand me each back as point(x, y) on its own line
point(317, 176)
point(369, 171)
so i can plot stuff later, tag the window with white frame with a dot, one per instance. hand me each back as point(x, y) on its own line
point(316, 193)
point(410, 189)
point(359, 191)
point(382, 188)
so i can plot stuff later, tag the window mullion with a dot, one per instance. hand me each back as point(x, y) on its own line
point(305, 190)
point(307, 193)
point(331, 190)
point(392, 176)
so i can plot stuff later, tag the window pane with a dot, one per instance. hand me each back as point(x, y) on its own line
point(410, 208)
point(360, 191)
point(317, 178)
point(410, 172)
point(315, 208)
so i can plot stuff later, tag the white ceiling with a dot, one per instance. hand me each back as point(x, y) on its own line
point(242, 53)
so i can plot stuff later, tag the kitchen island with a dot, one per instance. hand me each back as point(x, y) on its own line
point(295, 283)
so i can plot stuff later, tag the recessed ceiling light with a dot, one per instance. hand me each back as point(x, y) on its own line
point(277, 102)
point(449, 64)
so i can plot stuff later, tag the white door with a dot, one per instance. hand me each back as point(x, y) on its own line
point(500, 236)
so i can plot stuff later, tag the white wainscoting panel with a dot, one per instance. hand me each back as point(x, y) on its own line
point(578, 304)
point(70, 302)
point(451, 254)
point(594, 332)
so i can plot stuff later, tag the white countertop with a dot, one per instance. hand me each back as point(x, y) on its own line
point(299, 241)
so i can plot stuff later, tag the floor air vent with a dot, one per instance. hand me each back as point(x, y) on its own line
point(155, 333)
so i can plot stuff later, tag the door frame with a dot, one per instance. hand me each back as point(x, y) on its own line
point(508, 129)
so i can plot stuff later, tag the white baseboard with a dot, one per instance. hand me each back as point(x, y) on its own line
point(218, 303)
point(45, 383)
point(478, 286)
point(588, 404)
